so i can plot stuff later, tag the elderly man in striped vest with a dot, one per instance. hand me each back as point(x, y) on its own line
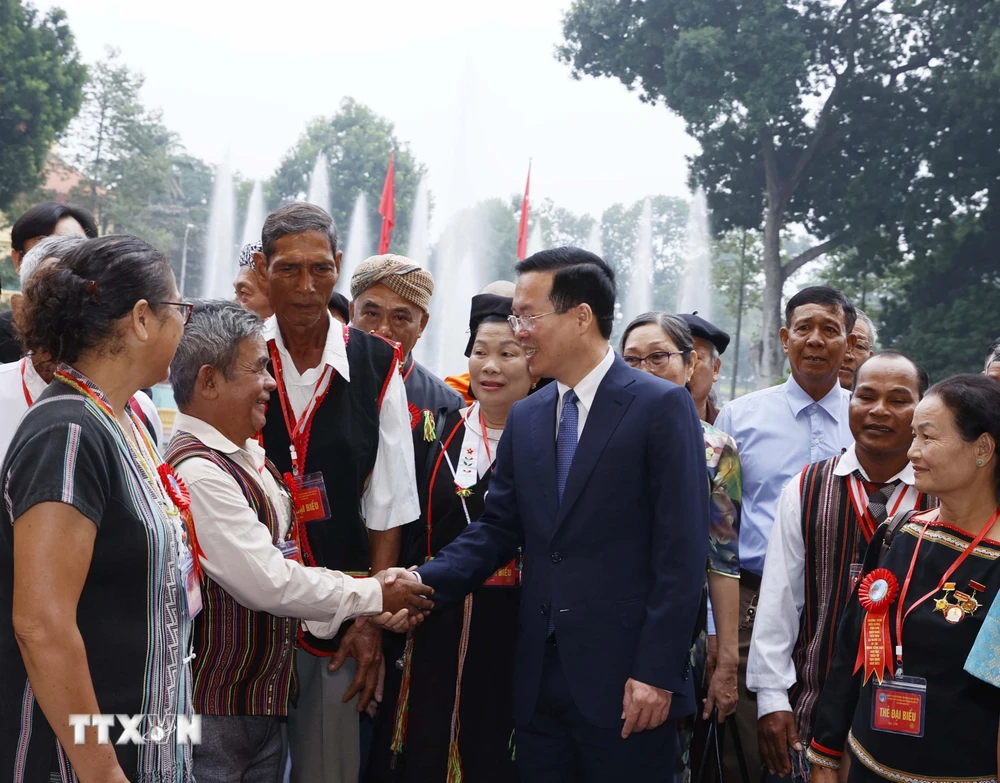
point(826, 517)
point(255, 588)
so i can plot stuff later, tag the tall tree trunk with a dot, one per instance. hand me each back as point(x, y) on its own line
point(739, 314)
point(772, 357)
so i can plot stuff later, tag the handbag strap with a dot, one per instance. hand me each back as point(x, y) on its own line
point(716, 736)
point(711, 738)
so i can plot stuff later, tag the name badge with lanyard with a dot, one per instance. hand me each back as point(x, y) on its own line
point(308, 491)
point(858, 496)
point(899, 703)
point(466, 476)
point(190, 552)
point(289, 547)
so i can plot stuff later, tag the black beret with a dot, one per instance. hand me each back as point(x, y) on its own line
point(484, 305)
point(707, 331)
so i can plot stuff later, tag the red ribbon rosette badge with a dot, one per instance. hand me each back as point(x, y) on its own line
point(877, 592)
point(178, 493)
point(175, 487)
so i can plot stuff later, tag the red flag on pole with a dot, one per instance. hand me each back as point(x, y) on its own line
point(522, 231)
point(387, 208)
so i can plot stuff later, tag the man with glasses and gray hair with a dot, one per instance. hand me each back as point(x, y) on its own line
point(255, 586)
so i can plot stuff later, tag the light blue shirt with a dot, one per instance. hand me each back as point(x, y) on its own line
point(778, 431)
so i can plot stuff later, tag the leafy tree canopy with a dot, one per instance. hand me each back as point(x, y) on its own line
point(356, 142)
point(41, 81)
point(806, 111)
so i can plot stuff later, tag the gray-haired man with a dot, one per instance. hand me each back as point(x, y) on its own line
point(254, 584)
point(21, 382)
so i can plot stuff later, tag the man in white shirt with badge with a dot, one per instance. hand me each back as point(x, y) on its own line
point(255, 586)
point(340, 431)
point(825, 518)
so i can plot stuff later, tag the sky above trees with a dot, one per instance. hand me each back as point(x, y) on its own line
point(475, 89)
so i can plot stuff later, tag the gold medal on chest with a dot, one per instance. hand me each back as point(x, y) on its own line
point(964, 603)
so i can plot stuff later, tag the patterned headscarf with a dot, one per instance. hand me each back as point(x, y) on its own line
point(246, 254)
point(397, 273)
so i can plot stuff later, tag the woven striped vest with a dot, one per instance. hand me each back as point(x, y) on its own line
point(833, 539)
point(244, 659)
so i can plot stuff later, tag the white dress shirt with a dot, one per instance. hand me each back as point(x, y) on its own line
point(13, 403)
point(585, 390)
point(390, 499)
point(770, 669)
point(238, 551)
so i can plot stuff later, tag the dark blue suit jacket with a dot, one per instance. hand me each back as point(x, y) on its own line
point(622, 559)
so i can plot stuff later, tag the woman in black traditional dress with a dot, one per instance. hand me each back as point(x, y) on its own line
point(897, 699)
point(453, 720)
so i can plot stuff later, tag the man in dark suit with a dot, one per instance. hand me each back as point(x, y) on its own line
point(600, 477)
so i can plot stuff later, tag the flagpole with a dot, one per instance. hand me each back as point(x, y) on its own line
point(387, 207)
point(522, 230)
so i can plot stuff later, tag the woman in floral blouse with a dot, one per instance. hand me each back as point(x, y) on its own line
point(662, 344)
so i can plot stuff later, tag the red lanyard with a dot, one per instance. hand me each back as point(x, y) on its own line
point(409, 371)
point(900, 615)
point(430, 486)
point(298, 432)
point(24, 384)
point(858, 495)
point(485, 434)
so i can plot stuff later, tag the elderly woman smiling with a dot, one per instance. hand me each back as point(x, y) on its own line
point(901, 702)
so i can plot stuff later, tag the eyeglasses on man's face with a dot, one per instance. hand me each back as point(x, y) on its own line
point(656, 359)
point(184, 308)
point(527, 322)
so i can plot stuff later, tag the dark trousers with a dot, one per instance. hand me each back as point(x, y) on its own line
point(746, 708)
point(240, 749)
point(560, 746)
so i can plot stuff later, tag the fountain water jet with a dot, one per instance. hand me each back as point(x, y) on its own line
point(696, 288)
point(358, 245)
point(319, 184)
point(256, 215)
point(594, 239)
point(221, 254)
point(458, 276)
point(419, 248)
point(639, 298)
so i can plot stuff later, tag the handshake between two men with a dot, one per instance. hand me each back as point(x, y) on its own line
point(405, 600)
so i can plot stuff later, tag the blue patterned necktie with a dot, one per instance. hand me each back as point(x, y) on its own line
point(566, 442)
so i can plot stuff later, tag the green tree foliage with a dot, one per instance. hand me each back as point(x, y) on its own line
point(139, 180)
point(806, 111)
point(41, 81)
point(560, 226)
point(941, 305)
point(356, 142)
point(619, 239)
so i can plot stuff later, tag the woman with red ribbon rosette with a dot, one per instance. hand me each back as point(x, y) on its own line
point(453, 716)
point(897, 702)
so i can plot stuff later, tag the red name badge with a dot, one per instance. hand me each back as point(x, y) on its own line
point(898, 706)
point(505, 576)
point(313, 504)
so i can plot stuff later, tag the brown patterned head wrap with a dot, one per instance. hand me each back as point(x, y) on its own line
point(397, 273)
